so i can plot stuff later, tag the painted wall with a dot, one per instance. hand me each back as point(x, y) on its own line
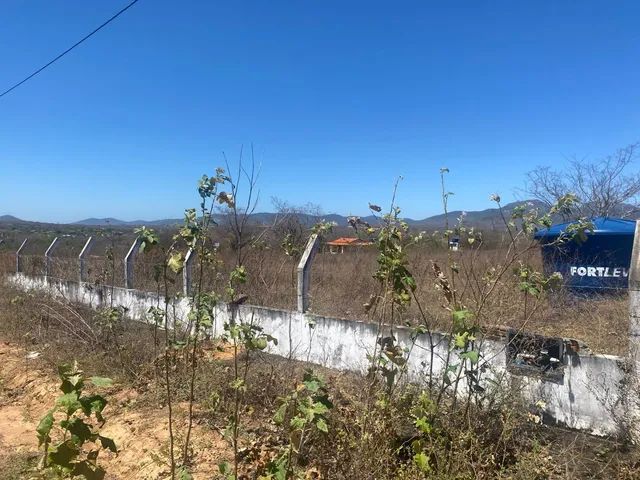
point(588, 397)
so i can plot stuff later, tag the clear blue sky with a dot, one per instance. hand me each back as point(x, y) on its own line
point(338, 97)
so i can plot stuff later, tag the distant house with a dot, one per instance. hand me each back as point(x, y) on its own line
point(339, 244)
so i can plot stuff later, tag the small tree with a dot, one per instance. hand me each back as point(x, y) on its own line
point(293, 224)
point(605, 187)
point(76, 420)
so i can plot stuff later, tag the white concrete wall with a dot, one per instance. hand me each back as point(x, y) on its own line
point(588, 398)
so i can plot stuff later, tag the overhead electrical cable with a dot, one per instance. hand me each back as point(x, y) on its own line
point(86, 37)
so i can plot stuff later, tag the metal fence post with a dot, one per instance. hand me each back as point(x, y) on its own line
point(187, 271)
point(128, 263)
point(304, 271)
point(82, 259)
point(18, 256)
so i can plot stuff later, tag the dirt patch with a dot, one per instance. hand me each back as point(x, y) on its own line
point(29, 389)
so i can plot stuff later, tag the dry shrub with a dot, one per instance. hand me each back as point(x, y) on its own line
point(341, 285)
point(369, 434)
point(59, 330)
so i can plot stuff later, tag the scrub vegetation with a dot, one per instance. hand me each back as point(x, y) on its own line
point(342, 283)
point(227, 409)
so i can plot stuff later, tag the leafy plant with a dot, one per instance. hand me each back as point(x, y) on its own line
point(303, 411)
point(250, 338)
point(194, 235)
point(74, 422)
point(422, 413)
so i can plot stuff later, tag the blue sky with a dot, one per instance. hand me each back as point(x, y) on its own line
point(338, 98)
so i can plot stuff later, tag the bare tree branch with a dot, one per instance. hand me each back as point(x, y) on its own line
point(605, 187)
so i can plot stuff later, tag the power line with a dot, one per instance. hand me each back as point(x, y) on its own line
point(70, 48)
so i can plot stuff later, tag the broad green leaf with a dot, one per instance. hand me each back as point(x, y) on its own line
point(278, 417)
point(95, 404)
point(44, 428)
point(422, 462)
point(75, 380)
point(80, 431)
point(63, 454)
point(175, 262)
point(224, 468)
point(260, 343)
point(148, 238)
point(88, 471)
point(70, 402)
point(183, 474)
point(460, 339)
point(459, 316)
point(319, 408)
point(238, 384)
point(322, 425)
point(472, 356)
point(101, 381)
point(423, 425)
point(312, 385)
point(277, 469)
point(298, 422)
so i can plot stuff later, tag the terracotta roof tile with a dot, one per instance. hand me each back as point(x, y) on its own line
point(344, 241)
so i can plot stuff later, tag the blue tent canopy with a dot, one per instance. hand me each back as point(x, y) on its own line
point(599, 264)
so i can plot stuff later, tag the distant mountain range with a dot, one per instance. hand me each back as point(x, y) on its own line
point(10, 219)
point(488, 218)
point(114, 222)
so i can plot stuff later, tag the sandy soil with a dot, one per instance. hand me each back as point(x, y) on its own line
point(28, 388)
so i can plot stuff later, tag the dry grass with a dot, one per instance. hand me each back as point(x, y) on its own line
point(341, 284)
point(493, 443)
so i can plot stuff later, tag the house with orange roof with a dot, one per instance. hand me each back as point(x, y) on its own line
point(339, 244)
